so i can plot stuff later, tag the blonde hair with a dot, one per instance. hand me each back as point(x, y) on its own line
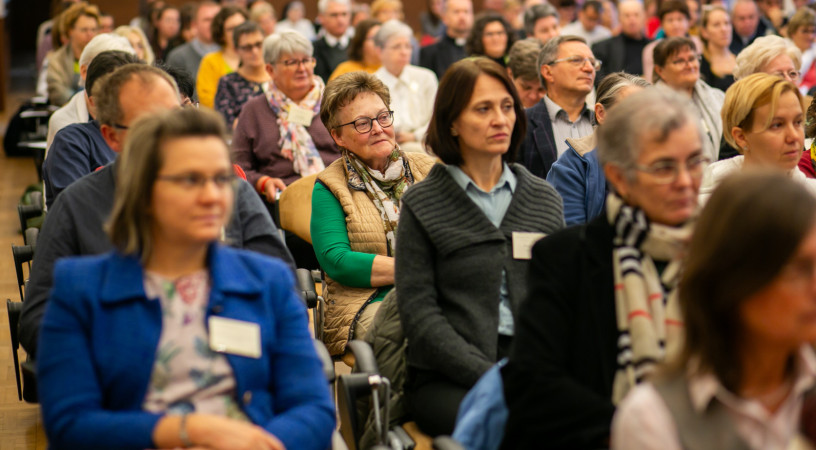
point(801, 18)
point(125, 31)
point(129, 227)
point(379, 5)
point(746, 95)
point(759, 54)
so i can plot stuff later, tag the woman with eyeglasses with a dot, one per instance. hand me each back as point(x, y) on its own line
point(279, 137)
point(763, 114)
point(235, 89)
point(491, 36)
point(677, 65)
point(173, 339)
point(356, 204)
point(602, 308)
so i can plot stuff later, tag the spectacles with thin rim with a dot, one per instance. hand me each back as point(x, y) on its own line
point(364, 124)
point(666, 171)
point(195, 180)
point(290, 63)
point(249, 47)
point(579, 61)
point(690, 61)
point(789, 75)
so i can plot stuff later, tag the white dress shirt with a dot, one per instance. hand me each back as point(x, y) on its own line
point(412, 98)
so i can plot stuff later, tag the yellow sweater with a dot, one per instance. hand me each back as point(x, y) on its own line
point(352, 66)
point(212, 68)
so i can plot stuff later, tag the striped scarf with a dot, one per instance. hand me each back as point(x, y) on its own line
point(648, 313)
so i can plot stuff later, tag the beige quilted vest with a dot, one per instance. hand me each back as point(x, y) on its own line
point(366, 234)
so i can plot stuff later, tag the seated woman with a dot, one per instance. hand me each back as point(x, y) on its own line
point(717, 64)
point(174, 340)
point(764, 115)
point(300, 145)
point(234, 89)
point(463, 241)
point(138, 41)
point(770, 54)
point(602, 304)
point(491, 36)
point(356, 204)
point(219, 63)
point(362, 54)
point(577, 174)
point(677, 65)
point(801, 31)
point(747, 360)
point(675, 21)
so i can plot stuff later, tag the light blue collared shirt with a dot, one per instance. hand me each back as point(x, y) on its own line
point(494, 205)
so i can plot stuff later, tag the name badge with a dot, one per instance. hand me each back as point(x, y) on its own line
point(300, 116)
point(235, 337)
point(523, 244)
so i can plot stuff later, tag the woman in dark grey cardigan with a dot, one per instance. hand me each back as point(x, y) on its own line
point(464, 239)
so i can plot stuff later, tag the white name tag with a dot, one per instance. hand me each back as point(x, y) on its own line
point(300, 116)
point(235, 336)
point(523, 244)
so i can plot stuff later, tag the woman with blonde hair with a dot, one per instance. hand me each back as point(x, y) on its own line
point(717, 64)
point(138, 41)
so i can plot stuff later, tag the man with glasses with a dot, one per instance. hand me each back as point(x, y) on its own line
point(331, 49)
point(567, 69)
point(75, 224)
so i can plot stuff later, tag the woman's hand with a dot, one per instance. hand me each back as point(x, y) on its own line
point(270, 187)
point(207, 431)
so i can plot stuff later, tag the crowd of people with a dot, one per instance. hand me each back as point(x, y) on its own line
point(599, 215)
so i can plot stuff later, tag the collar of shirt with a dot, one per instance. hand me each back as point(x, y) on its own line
point(390, 80)
point(333, 41)
point(556, 112)
point(508, 178)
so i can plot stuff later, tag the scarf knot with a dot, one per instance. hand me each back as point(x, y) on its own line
point(296, 144)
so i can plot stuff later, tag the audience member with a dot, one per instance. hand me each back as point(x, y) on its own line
point(771, 15)
point(263, 13)
point(763, 114)
point(602, 305)
point(188, 56)
point(412, 88)
point(188, 13)
point(457, 16)
point(166, 33)
point(356, 194)
point(770, 54)
point(142, 352)
point(224, 61)
point(522, 67)
point(807, 163)
point(577, 174)
point(385, 10)
point(138, 41)
point(106, 23)
point(747, 27)
point(362, 53)
point(80, 148)
point(234, 89)
point(462, 241)
point(717, 63)
point(294, 20)
point(623, 53)
point(332, 47)
point(802, 32)
point(74, 225)
point(300, 145)
point(609, 17)
point(677, 65)
point(567, 11)
point(359, 13)
point(80, 23)
point(491, 36)
point(747, 363)
point(541, 22)
point(431, 20)
point(588, 25)
point(567, 68)
point(675, 21)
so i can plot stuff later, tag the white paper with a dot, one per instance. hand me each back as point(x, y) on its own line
point(523, 243)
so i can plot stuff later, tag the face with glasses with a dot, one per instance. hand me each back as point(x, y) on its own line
point(250, 49)
point(192, 195)
point(783, 67)
point(804, 36)
point(366, 128)
point(84, 29)
point(573, 69)
point(665, 179)
point(681, 69)
point(773, 139)
point(293, 74)
point(494, 39)
point(396, 54)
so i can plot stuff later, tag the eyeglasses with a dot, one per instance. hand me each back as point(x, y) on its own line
point(790, 75)
point(249, 47)
point(363, 124)
point(307, 62)
point(120, 127)
point(579, 61)
point(690, 61)
point(493, 34)
point(667, 171)
point(195, 180)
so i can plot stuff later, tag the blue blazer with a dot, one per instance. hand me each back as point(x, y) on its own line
point(99, 338)
point(538, 151)
point(582, 184)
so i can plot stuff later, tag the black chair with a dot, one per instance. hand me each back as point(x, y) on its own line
point(22, 255)
point(306, 281)
point(26, 212)
point(14, 309)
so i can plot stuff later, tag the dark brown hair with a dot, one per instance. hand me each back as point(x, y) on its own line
point(474, 45)
point(669, 47)
point(219, 35)
point(671, 6)
point(453, 96)
point(355, 48)
point(750, 228)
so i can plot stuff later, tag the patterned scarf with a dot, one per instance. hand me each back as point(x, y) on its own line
point(296, 143)
point(648, 313)
point(384, 189)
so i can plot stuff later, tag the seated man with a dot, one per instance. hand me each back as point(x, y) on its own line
point(522, 67)
point(74, 225)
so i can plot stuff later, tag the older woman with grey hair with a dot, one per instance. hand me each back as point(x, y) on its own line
point(602, 306)
point(770, 54)
point(412, 88)
point(279, 137)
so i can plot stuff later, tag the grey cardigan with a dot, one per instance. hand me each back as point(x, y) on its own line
point(449, 261)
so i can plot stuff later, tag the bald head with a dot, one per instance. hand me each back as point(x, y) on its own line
point(632, 18)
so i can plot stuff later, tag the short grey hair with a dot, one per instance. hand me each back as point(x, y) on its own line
point(653, 114)
point(391, 28)
point(103, 43)
point(285, 42)
point(550, 50)
point(755, 57)
point(522, 59)
point(536, 13)
point(322, 5)
point(608, 89)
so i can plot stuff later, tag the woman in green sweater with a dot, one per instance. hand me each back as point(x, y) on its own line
point(355, 204)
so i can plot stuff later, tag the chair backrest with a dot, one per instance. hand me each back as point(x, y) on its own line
point(14, 310)
point(22, 254)
point(295, 207)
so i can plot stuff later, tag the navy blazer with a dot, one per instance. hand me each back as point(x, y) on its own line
point(538, 151)
point(99, 339)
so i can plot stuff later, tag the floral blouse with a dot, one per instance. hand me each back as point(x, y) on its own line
point(233, 92)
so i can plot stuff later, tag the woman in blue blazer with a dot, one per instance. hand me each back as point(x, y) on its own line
point(174, 340)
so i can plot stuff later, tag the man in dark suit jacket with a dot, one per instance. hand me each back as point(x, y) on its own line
point(458, 19)
point(622, 53)
point(331, 49)
point(747, 26)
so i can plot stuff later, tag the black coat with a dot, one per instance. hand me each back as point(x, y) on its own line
point(558, 383)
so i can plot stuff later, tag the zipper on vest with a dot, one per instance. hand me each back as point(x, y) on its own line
point(357, 316)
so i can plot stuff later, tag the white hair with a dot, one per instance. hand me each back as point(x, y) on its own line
point(391, 28)
point(285, 42)
point(103, 43)
point(761, 52)
point(322, 5)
